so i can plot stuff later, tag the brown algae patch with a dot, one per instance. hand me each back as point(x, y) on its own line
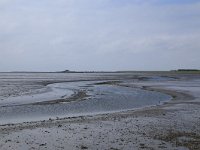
point(184, 139)
point(78, 95)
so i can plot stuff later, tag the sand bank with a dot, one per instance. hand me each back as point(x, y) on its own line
point(173, 125)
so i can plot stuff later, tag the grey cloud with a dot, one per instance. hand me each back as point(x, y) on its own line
point(98, 35)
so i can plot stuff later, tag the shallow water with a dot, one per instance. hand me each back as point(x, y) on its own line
point(102, 99)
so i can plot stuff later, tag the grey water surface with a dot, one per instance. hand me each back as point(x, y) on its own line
point(102, 98)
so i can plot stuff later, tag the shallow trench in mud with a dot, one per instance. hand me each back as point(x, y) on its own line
point(71, 99)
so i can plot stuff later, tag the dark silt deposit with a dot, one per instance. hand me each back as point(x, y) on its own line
point(70, 97)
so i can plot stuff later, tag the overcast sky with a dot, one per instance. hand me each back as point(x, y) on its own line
point(51, 35)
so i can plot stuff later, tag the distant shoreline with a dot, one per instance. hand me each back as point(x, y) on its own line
point(170, 71)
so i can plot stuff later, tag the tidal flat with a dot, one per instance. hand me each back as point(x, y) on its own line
point(124, 110)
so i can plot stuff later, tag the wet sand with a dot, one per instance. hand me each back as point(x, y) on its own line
point(173, 125)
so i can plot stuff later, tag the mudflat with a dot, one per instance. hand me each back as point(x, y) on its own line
point(167, 116)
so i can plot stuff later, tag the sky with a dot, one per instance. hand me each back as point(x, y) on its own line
point(99, 35)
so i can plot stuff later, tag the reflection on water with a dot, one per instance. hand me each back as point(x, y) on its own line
point(103, 99)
